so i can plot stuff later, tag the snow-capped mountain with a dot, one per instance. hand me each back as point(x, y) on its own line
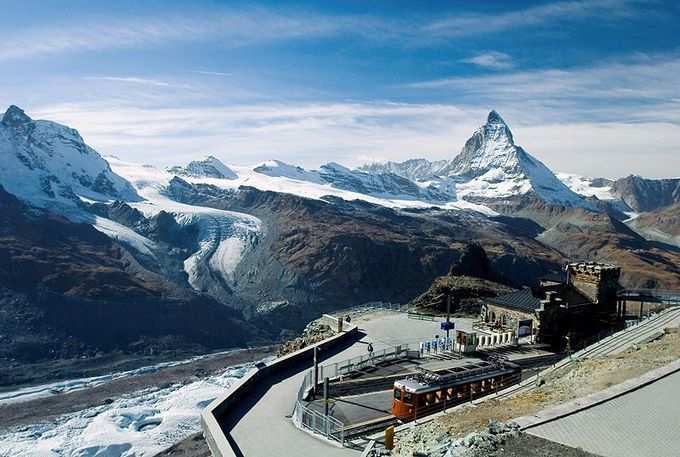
point(278, 169)
point(413, 169)
point(210, 167)
point(489, 167)
point(331, 179)
point(49, 165)
point(379, 184)
point(588, 187)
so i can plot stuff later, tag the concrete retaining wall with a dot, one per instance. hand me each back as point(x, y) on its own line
point(210, 417)
point(333, 322)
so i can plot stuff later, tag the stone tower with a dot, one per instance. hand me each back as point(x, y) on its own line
point(597, 281)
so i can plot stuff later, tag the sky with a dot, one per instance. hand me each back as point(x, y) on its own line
point(587, 86)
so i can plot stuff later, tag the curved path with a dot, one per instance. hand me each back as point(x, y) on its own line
point(265, 428)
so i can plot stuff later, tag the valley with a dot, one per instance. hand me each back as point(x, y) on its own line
point(261, 250)
point(130, 292)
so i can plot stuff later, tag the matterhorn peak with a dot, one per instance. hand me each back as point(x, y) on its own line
point(496, 129)
point(15, 116)
point(495, 118)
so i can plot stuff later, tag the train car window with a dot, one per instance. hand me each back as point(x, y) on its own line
point(408, 397)
point(397, 394)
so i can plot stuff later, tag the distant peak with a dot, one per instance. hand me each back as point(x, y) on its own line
point(15, 116)
point(495, 118)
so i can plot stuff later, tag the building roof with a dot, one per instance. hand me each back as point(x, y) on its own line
point(522, 300)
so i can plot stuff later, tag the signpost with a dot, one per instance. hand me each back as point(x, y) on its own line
point(448, 325)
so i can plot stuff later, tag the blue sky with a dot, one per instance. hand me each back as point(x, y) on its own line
point(590, 87)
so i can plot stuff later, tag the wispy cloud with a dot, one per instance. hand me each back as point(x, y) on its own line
point(139, 81)
point(480, 23)
point(211, 73)
point(493, 59)
point(233, 28)
point(304, 133)
point(645, 83)
point(230, 28)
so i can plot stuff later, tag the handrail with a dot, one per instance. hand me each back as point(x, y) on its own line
point(211, 416)
point(344, 367)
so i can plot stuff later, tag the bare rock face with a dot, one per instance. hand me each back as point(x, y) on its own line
point(473, 262)
point(467, 294)
point(662, 225)
point(642, 194)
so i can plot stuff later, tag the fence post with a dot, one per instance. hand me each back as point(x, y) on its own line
point(316, 371)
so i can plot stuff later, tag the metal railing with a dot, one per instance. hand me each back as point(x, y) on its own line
point(372, 306)
point(328, 426)
point(314, 421)
point(422, 316)
point(346, 367)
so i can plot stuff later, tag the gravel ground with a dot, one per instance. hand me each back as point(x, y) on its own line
point(524, 445)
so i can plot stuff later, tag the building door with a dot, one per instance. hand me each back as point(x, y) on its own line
point(524, 328)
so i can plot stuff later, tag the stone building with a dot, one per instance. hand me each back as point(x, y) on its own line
point(575, 306)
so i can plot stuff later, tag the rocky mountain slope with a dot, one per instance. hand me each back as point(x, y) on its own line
point(315, 254)
point(471, 280)
point(661, 225)
point(642, 194)
point(67, 290)
point(582, 234)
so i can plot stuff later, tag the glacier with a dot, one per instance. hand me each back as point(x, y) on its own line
point(135, 425)
point(224, 236)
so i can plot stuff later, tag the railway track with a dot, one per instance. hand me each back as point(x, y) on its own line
point(368, 428)
point(610, 345)
point(634, 335)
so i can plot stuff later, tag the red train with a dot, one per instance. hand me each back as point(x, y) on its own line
point(431, 392)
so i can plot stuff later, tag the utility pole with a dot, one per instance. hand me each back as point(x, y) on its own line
point(316, 371)
point(448, 315)
point(325, 396)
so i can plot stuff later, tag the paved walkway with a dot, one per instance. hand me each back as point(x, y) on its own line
point(267, 430)
point(645, 422)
